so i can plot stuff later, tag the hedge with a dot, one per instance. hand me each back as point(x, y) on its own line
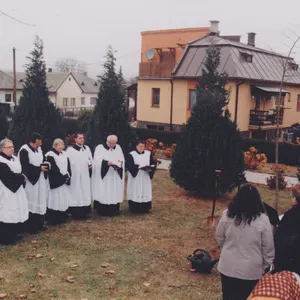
point(288, 153)
point(167, 137)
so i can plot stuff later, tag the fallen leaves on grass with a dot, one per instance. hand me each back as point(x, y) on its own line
point(105, 265)
point(109, 272)
point(146, 284)
point(52, 259)
point(39, 256)
point(2, 296)
point(23, 297)
point(70, 279)
point(41, 275)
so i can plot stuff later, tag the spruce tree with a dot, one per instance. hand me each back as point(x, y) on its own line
point(3, 124)
point(110, 113)
point(210, 140)
point(35, 112)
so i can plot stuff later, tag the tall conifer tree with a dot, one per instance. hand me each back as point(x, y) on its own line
point(35, 112)
point(110, 114)
point(209, 140)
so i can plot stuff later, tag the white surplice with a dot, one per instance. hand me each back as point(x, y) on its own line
point(110, 189)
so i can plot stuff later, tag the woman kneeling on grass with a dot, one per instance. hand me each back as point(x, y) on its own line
point(245, 237)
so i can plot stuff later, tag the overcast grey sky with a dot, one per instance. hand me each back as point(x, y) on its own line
point(84, 29)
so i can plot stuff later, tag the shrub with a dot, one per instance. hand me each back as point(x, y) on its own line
point(281, 180)
point(253, 160)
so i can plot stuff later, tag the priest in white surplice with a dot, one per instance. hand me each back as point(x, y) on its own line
point(80, 157)
point(108, 177)
point(13, 200)
point(37, 185)
point(141, 167)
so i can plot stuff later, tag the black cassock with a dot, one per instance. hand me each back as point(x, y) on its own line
point(14, 205)
point(59, 196)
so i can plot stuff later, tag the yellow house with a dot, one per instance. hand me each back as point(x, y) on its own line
point(165, 102)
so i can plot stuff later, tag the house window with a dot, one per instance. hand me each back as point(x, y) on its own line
point(82, 101)
point(298, 103)
point(65, 101)
point(93, 100)
point(192, 98)
point(73, 102)
point(155, 97)
point(7, 97)
point(247, 57)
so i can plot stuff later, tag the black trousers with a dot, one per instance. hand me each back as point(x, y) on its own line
point(55, 217)
point(108, 210)
point(35, 223)
point(139, 208)
point(8, 233)
point(236, 289)
point(80, 212)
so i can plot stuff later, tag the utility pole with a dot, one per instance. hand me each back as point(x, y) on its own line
point(15, 78)
point(279, 106)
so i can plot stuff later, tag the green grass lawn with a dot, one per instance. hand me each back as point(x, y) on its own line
point(125, 257)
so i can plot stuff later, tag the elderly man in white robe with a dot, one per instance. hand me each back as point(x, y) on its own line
point(13, 200)
point(80, 157)
point(37, 185)
point(108, 177)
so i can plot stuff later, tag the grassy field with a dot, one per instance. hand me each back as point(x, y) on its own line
point(125, 257)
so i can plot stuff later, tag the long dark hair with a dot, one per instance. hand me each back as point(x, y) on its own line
point(246, 206)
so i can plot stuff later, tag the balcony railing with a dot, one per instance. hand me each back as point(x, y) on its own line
point(74, 112)
point(264, 118)
point(158, 67)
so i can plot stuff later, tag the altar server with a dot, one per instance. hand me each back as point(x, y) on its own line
point(59, 179)
point(36, 188)
point(13, 200)
point(80, 157)
point(141, 168)
point(108, 177)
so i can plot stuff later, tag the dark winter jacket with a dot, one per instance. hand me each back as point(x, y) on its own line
point(287, 241)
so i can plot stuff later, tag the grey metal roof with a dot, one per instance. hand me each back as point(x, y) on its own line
point(265, 66)
point(54, 81)
point(7, 83)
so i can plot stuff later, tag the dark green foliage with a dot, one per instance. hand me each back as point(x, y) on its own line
point(83, 120)
point(36, 113)
point(209, 140)
point(211, 85)
point(70, 126)
point(110, 114)
point(167, 137)
point(3, 124)
point(289, 154)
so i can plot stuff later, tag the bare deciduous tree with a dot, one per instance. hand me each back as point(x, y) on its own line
point(70, 64)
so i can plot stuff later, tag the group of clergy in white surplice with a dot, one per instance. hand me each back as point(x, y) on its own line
point(35, 187)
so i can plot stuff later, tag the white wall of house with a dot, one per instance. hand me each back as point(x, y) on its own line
point(70, 95)
point(68, 90)
point(4, 95)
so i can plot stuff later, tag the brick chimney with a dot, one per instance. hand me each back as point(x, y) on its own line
point(251, 39)
point(214, 27)
point(85, 73)
point(50, 70)
point(67, 70)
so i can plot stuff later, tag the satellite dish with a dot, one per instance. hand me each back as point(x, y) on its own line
point(150, 54)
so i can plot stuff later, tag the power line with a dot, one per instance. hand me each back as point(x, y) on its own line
point(15, 19)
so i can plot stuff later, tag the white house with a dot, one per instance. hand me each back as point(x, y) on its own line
point(70, 92)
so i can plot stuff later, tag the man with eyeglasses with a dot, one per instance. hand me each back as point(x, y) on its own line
point(13, 200)
point(108, 177)
point(37, 187)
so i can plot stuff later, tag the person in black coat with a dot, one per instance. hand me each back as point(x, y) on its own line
point(287, 237)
